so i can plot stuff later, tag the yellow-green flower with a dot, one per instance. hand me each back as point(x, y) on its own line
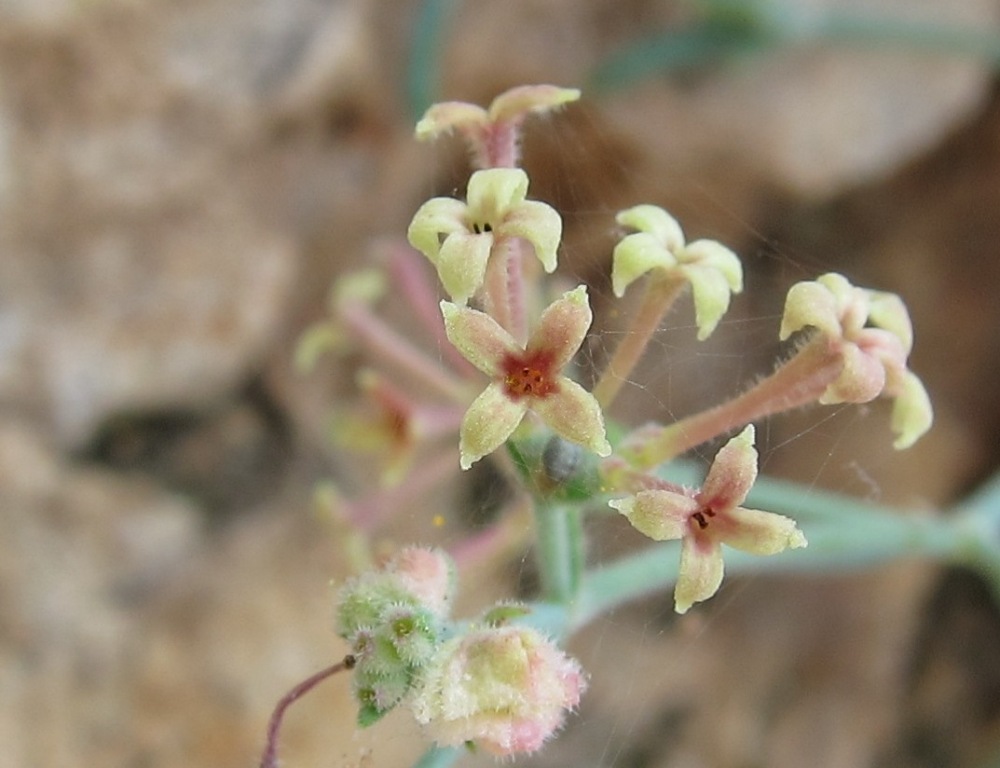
point(459, 237)
point(713, 270)
point(874, 336)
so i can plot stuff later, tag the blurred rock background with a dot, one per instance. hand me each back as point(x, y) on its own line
point(181, 181)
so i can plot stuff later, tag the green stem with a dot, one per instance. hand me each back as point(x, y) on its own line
point(833, 547)
point(560, 550)
point(438, 757)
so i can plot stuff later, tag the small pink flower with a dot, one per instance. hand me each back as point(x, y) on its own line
point(528, 378)
point(706, 519)
point(504, 689)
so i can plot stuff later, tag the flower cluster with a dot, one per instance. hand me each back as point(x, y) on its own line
point(394, 619)
point(496, 683)
point(502, 687)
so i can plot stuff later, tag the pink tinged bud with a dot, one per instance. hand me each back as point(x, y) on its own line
point(714, 271)
point(504, 689)
point(527, 378)
point(459, 238)
point(707, 519)
point(428, 575)
point(874, 336)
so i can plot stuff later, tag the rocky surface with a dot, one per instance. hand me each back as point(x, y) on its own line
point(180, 181)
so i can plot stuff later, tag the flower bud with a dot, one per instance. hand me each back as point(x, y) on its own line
point(505, 689)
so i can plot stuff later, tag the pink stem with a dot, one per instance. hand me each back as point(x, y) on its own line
point(497, 145)
point(406, 269)
point(383, 341)
point(505, 288)
point(270, 757)
point(801, 381)
point(659, 297)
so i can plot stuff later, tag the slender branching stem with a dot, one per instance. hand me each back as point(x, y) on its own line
point(801, 381)
point(659, 297)
point(269, 759)
point(385, 343)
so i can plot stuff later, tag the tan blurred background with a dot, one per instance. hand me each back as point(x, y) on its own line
point(181, 180)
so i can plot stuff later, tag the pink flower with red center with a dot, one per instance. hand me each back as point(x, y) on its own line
point(526, 378)
point(704, 520)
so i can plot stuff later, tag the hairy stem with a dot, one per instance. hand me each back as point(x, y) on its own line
point(659, 297)
point(800, 381)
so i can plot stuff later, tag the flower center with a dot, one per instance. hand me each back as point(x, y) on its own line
point(702, 516)
point(480, 229)
point(528, 377)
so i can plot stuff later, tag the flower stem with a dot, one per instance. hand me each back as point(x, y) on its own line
point(505, 288)
point(659, 297)
point(560, 550)
point(800, 381)
point(269, 759)
point(834, 546)
point(392, 347)
point(407, 269)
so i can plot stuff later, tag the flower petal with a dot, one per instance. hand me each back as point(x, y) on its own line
point(888, 311)
point(493, 192)
point(525, 99)
point(563, 327)
point(810, 303)
point(654, 221)
point(461, 264)
point(732, 473)
point(540, 225)
point(438, 216)
point(711, 296)
point(478, 337)
point(573, 413)
point(490, 420)
point(710, 253)
point(448, 115)
point(660, 515)
point(636, 255)
point(761, 533)
point(700, 573)
point(912, 414)
point(860, 381)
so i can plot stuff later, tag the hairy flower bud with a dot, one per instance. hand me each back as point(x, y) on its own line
point(505, 689)
point(394, 620)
